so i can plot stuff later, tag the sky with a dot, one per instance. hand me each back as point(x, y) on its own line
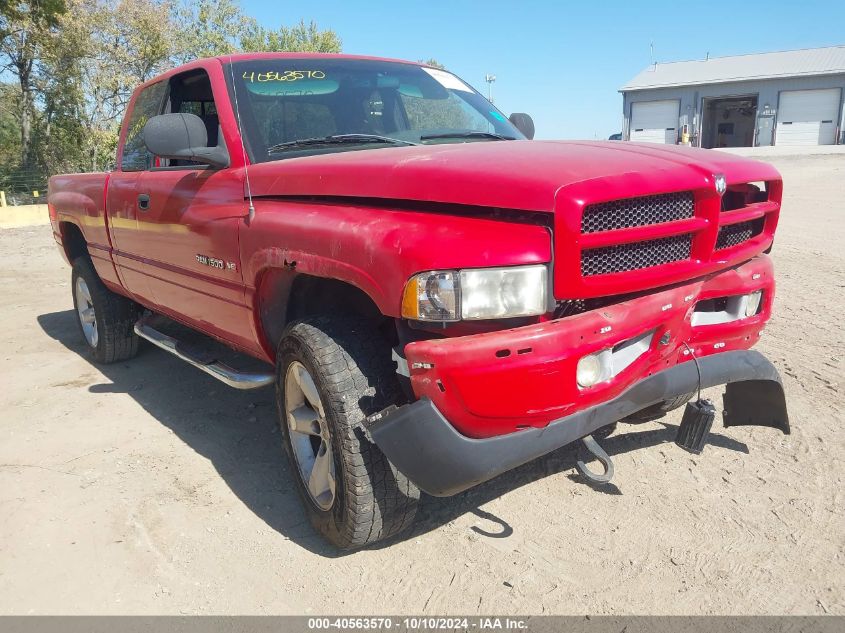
point(562, 62)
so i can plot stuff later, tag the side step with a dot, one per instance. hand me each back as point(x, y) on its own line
point(213, 367)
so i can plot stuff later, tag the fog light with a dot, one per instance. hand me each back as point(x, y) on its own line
point(752, 303)
point(590, 370)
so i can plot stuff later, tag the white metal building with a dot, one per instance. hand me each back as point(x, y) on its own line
point(783, 98)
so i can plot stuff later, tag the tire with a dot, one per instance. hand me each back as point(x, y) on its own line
point(353, 376)
point(110, 336)
point(657, 411)
point(604, 432)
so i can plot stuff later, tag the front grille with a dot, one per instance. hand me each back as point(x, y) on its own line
point(624, 257)
point(734, 234)
point(573, 307)
point(642, 211)
point(570, 307)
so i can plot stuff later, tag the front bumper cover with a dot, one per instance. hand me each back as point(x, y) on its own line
point(424, 446)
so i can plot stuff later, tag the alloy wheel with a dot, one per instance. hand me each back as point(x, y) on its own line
point(309, 435)
point(85, 311)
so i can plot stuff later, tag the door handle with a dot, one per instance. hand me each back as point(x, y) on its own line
point(144, 202)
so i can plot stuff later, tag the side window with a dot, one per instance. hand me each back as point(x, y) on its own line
point(191, 93)
point(148, 104)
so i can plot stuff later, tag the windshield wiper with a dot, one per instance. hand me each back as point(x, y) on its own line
point(473, 134)
point(337, 139)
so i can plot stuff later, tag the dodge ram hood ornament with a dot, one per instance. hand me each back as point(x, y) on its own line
point(721, 185)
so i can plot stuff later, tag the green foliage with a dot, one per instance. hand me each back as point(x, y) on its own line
point(219, 27)
point(10, 136)
point(301, 37)
point(432, 62)
point(71, 67)
point(104, 52)
point(40, 12)
point(207, 28)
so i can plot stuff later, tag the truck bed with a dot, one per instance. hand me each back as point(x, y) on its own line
point(79, 199)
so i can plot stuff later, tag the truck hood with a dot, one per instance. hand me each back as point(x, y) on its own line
point(523, 175)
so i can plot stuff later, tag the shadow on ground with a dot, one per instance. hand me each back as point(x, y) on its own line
point(237, 432)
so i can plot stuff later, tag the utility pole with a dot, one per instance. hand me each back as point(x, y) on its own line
point(490, 79)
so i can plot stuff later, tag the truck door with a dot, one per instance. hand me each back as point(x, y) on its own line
point(122, 192)
point(189, 216)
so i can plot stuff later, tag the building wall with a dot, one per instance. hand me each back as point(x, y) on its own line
point(768, 91)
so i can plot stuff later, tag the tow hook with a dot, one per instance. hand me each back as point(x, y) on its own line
point(590, 444)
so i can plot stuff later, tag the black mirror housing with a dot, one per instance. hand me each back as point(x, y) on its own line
point(182, 136)
point(524, 123)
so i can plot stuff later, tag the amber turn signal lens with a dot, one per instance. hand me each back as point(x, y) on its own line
point(410, 302)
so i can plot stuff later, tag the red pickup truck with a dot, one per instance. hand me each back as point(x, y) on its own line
point(438, 298)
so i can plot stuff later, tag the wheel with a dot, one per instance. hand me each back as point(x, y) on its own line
point(330, 374)
point(657, 411)
point(105, 319)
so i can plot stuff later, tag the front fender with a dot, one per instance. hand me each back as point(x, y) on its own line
point(271, 259)
point(377, 249)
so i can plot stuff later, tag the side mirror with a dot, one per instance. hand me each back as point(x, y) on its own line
point(182, 136)
point(523, 122)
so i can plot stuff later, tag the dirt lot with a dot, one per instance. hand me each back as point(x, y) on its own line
point(147, 487)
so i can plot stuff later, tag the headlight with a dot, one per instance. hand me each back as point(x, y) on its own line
point(481, 293)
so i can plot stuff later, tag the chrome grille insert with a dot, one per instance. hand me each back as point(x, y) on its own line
point(624, 257)
point(642, 211)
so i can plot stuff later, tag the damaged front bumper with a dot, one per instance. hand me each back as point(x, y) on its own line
point(424, 446)
point(490, 402)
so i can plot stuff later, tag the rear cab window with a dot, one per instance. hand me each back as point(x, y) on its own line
point(191, 93)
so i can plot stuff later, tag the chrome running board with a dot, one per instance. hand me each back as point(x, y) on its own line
point(223, 373)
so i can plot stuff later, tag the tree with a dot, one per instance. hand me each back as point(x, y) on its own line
point(219, 27)
point(41, 12)
point(102, 52)
point(73, 64)
point(208, 28)
point(24, 26)
point(432, 62)
point(301, 37)
point(10, 136)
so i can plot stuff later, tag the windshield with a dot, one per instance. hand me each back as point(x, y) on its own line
point(295, 107)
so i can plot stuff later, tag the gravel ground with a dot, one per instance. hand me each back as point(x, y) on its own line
point(147, 487)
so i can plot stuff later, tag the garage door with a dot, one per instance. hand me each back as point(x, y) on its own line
point(808, 117)
point(655, 121)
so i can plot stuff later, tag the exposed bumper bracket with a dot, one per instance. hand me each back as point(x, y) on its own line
point(598, 452)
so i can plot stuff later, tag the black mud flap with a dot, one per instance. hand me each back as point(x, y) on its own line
point(756, 403)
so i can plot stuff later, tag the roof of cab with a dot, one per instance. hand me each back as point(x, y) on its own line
point(242, 57)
